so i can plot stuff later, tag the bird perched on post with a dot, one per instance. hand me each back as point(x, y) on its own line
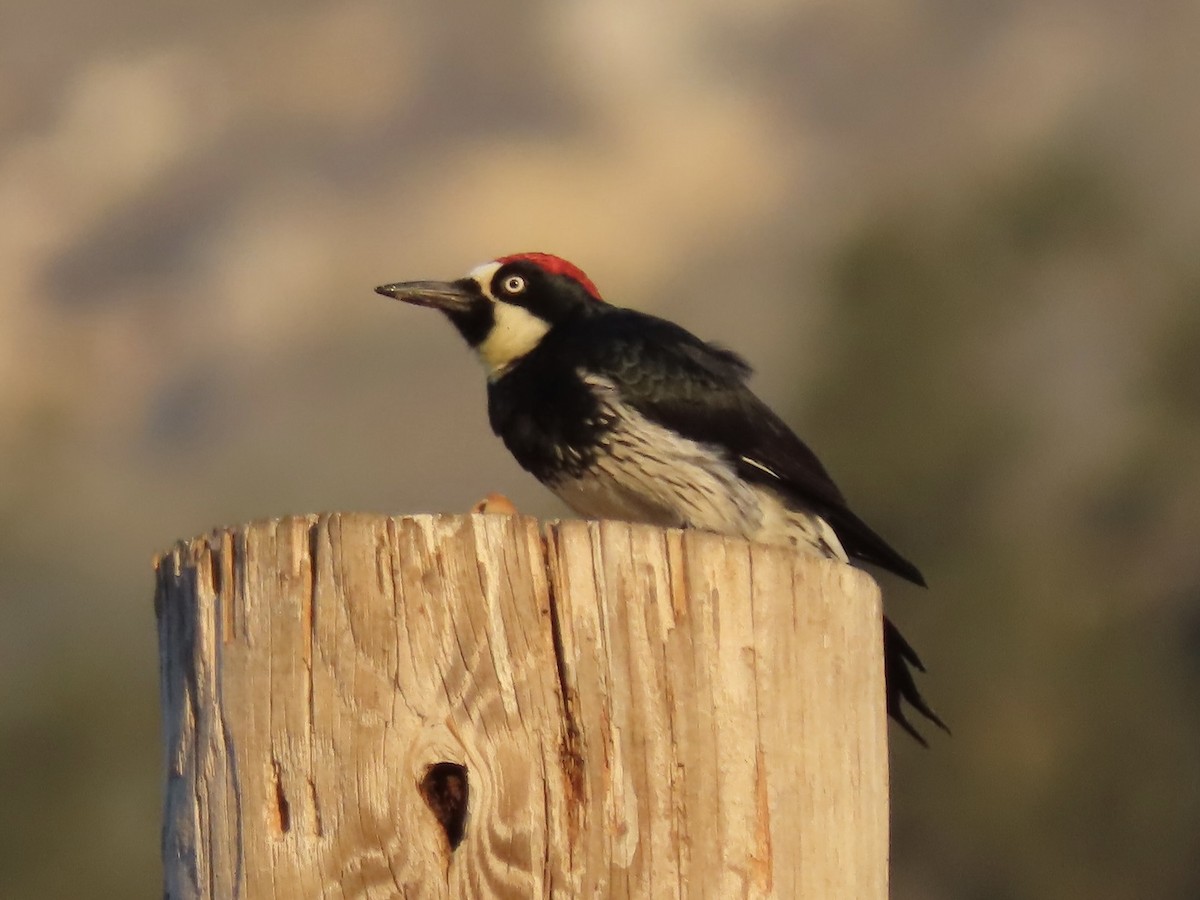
point(627, 416)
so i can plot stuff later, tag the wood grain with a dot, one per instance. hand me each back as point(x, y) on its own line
point(626, 711)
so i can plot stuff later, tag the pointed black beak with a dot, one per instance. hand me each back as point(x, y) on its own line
point(448, 296)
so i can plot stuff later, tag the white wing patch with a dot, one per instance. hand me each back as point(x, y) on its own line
point(754, 462)
point(782, 524)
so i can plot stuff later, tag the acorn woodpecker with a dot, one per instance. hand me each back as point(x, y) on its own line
point(625, 415)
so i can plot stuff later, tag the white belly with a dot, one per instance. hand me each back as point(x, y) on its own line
point(647, 473)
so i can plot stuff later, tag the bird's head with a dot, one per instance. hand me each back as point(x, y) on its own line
point(505, 308)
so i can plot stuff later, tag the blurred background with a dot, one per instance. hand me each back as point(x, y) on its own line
point(958, 240)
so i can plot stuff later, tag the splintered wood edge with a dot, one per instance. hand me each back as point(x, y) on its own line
point(494, 504)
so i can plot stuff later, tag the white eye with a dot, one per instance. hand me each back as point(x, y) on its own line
point(513, 284)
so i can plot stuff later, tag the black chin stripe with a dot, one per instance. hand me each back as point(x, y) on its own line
point(474, 324)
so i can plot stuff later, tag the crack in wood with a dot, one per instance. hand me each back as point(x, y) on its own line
point(570, 752)
point(310, 630)
point(283, 809)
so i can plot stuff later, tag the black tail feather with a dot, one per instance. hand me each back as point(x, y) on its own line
point(899, 660)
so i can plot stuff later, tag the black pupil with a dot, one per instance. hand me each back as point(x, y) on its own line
point(514, 284)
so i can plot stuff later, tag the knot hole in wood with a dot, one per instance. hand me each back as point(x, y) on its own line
point(445, 790)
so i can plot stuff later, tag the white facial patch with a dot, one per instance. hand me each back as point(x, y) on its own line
point(483, 274)
point(516, 330)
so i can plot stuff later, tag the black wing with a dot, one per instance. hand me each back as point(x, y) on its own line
point(699, 390)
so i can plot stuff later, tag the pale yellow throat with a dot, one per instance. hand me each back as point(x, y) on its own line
point(516, 332)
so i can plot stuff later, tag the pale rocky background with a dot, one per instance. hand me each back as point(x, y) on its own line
point(958, 240)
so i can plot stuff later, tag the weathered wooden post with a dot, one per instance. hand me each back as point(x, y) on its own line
point(465, 706)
